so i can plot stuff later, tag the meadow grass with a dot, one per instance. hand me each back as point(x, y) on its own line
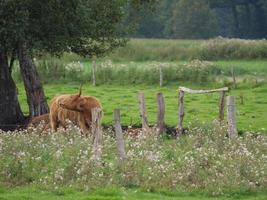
point(35, 192)
point(195, 72)
point(201, 165)
point(241, 67)
point(157, 49)
point(251, 113)
point(128, 73)
point(175, 50)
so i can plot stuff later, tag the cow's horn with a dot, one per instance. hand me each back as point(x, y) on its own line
point(80, 92)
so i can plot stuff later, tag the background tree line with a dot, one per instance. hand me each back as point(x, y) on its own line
point(201, 19)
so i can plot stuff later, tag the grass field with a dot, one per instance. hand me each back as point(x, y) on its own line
point(251, 115)
point(206, 160)
point(120, 91)
point(22, 193)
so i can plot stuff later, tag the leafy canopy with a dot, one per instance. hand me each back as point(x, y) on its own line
point(87, 27)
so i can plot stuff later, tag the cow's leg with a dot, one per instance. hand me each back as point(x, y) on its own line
point(82, 125)
point(53, 123)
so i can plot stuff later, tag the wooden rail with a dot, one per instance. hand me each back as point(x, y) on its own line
point(188, 90)
point(181, 112)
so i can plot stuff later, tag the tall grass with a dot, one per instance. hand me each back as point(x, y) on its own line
point(54, 70)
point(223, 49)
point(108, 72)
point(57, 70)
point(136, 73)
point(157, 50)
point(175, 50)
point(203, 160)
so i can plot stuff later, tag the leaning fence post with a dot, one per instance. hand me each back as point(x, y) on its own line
point(161, 113)
point(142, 108)
point(181, 112)
point(233, 76)
point(119, 136)
point(97, 133)
point(222, 105)
point(232, 130)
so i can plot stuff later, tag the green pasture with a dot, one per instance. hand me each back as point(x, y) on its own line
point(33, 192)
point(118, 84)
point(251, 115)
point(245, 67)
point(134, 68)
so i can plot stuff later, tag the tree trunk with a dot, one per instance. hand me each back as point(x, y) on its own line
point(35, 95)
point(11, 116)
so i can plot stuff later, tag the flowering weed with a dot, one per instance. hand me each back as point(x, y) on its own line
point(202, 160)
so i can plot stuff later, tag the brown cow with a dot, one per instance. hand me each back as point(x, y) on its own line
point(59, 115)
point(36, 121)
point(82, 105)
point(76, 108)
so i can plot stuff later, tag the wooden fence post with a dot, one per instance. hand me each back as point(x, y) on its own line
point(232, 130)
point(160, 75)
point(97, 133)
point(221, 107)
point(93, 71)
point(241, 98)
point(233, 76)
point(179, 130)
point(119, 136)
point(161, 113)
point(142, 109)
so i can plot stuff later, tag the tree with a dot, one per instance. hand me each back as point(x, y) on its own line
point(30, 27)
point(154, 23)
point(11, 114)
point(10, 111)
point(193, 19)
point(249, 17)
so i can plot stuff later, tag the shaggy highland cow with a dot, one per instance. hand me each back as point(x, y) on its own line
point(76, 108)
point(36, 121)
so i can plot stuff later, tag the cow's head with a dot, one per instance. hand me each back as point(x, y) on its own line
point(73, 102)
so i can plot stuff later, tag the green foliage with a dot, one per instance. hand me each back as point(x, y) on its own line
point(204, 19)
point(203, 160)
point(13, 23)
point(87, 27)
point(193, 20)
